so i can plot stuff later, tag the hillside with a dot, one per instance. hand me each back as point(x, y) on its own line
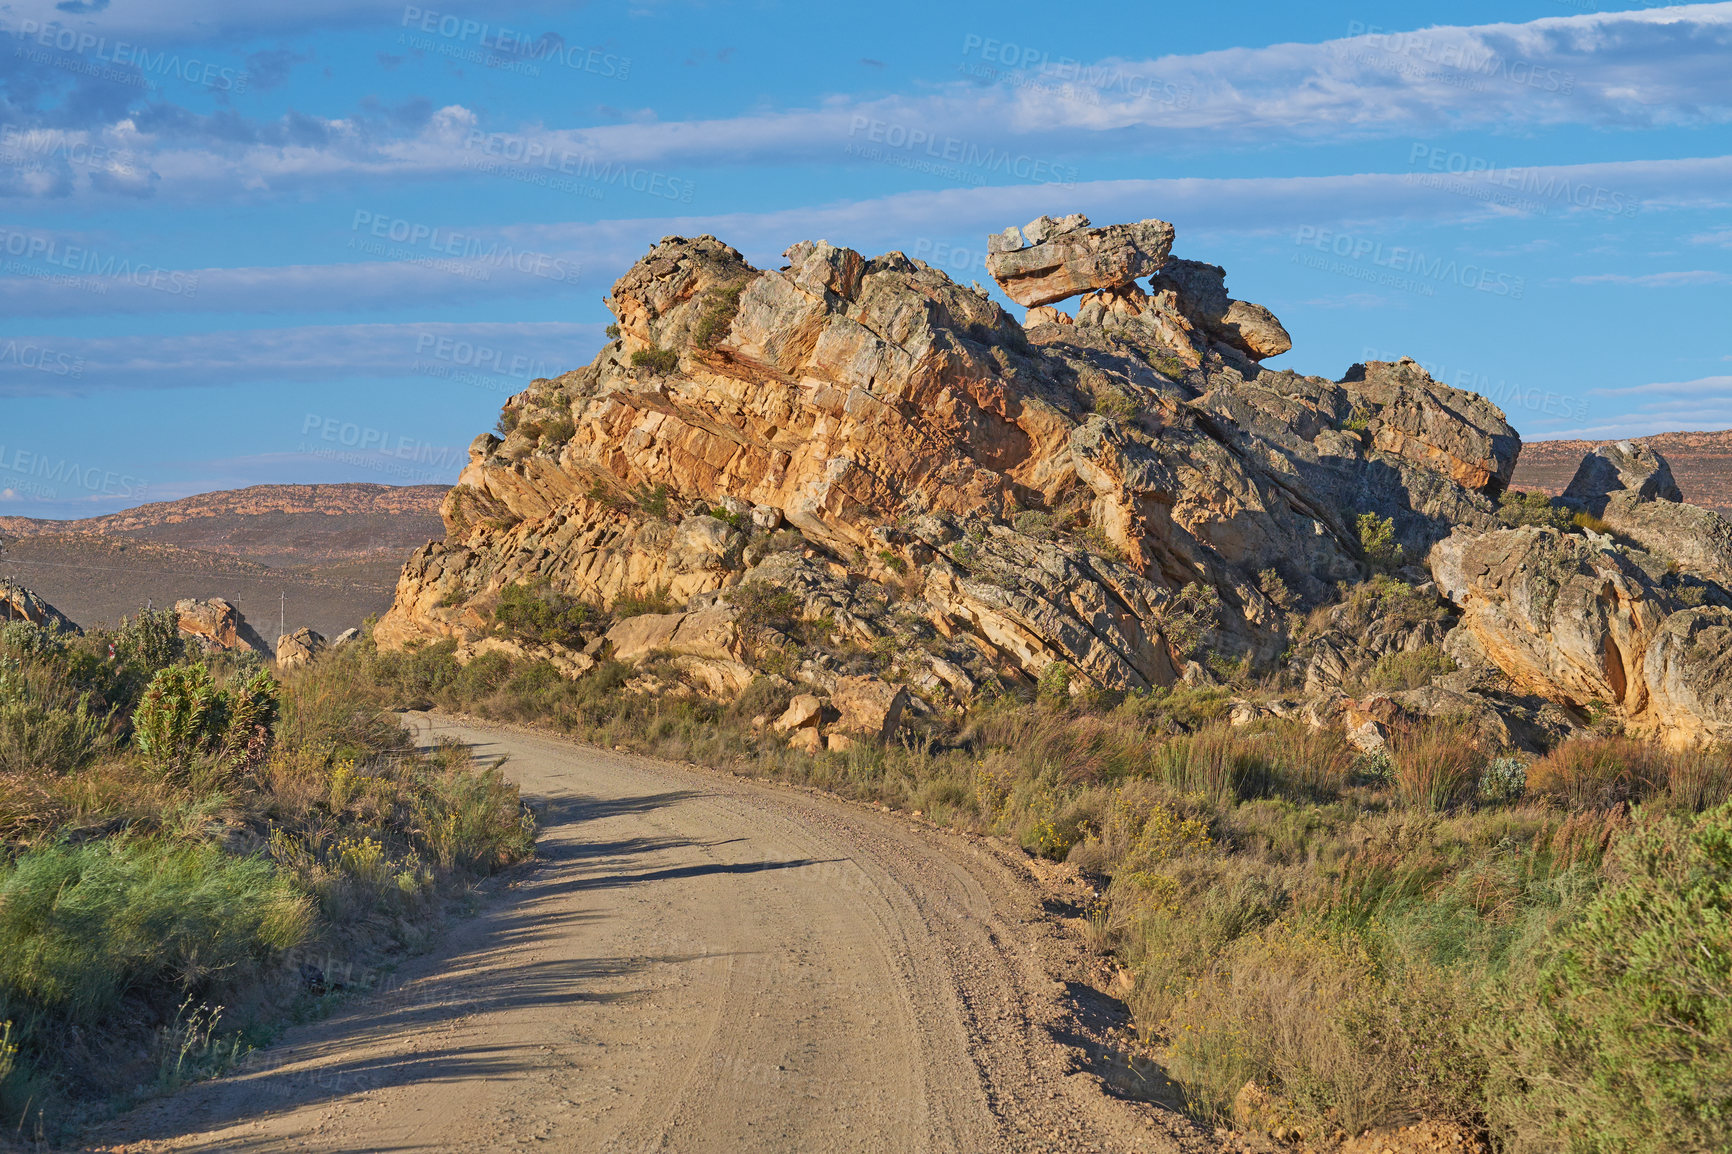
point(322, 556)
point(1701, 462)
point(288, 525)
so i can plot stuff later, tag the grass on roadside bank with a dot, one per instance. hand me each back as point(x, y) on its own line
point(176, 831)
point(1538, 949)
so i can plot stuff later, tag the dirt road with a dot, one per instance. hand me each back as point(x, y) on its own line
point(699, 963)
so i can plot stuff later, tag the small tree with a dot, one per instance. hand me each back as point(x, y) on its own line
point(1377, 539)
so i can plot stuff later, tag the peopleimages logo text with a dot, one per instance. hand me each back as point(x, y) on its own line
point(85, 261)
point(511, 42)
point(128, 55)
point(1410, 261)
point(462, 246)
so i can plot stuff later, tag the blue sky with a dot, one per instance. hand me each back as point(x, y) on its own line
point(324, 240)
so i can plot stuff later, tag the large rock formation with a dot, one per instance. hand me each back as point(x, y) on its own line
point(19, 604)
point(215, 626)
point(936, 486)
point(1639, 621)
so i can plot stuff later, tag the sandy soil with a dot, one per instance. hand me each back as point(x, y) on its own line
point(701, 963)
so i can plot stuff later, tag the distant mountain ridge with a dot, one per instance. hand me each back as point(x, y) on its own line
point(1701, 462)
point(321, 556)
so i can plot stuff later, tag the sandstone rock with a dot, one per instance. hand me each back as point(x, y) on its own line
point(19, 604)
point(1457, 433)
point(802, 711)
point(839, 743)
point(868, 705)
point(1044, 494)
point(570, 663)
point(806, 740)
point(1578, 620)
point(1624, 467)
point(1045, 315)
point(710, 633)
point(346, 636)
point(1059, 259)
point(1201, 293)
point(215, 626)
point(299, 648)
point(1698, 539)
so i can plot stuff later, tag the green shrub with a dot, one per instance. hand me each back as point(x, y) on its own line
point(762, 605)
point(540, 614)
point(1187, 616)
point(1620, 1038)
point(658, 360)
point(82, 926)
point(721, 305)
point(151, 639)
point(1377, 540)
point(45, 726)
point(180, 715)
point(1409, 670)
point(1515, 508)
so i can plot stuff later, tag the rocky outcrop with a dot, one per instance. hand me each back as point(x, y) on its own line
point(1637, 619)
point(1200, 291)
point(935, 495)
point(299, 648)
point(19, 604)
point(1625, 468)
point(1048, 260)
point(215, 626)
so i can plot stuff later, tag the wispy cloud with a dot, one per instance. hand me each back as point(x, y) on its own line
point(1658, 68)
point(1682, 278)
point(499, 358)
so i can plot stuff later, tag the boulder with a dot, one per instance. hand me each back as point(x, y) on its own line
point(299, 648)
point(346, 636)
point(868, 705)
point(19, 604)
point(1200, 291)
point(216, 626)
point(710, 632)
point(1577, 619)
point(1623, 467)
point(1050, 260)
point(1045, 315)
point(806, 740)
point(839, 743)
point(802, 712)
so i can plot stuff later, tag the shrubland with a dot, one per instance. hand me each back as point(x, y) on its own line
point(178, 832)
point(1535, 946)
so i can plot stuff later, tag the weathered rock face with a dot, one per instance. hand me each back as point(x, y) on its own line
point(1640, 621)
point(1622, 468)
point(1201, 294)
point(216, 626)
point(1578, 619)
point(933, 484)
point(299, 648)
point(19, 604)
point(1050, 260)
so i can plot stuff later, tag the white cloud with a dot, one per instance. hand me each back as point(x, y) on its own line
point(1681, 278)
point(1615, 70)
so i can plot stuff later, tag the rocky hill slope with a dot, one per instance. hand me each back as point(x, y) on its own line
point(852, 467)
point(271, 524)
point(1702, 463)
